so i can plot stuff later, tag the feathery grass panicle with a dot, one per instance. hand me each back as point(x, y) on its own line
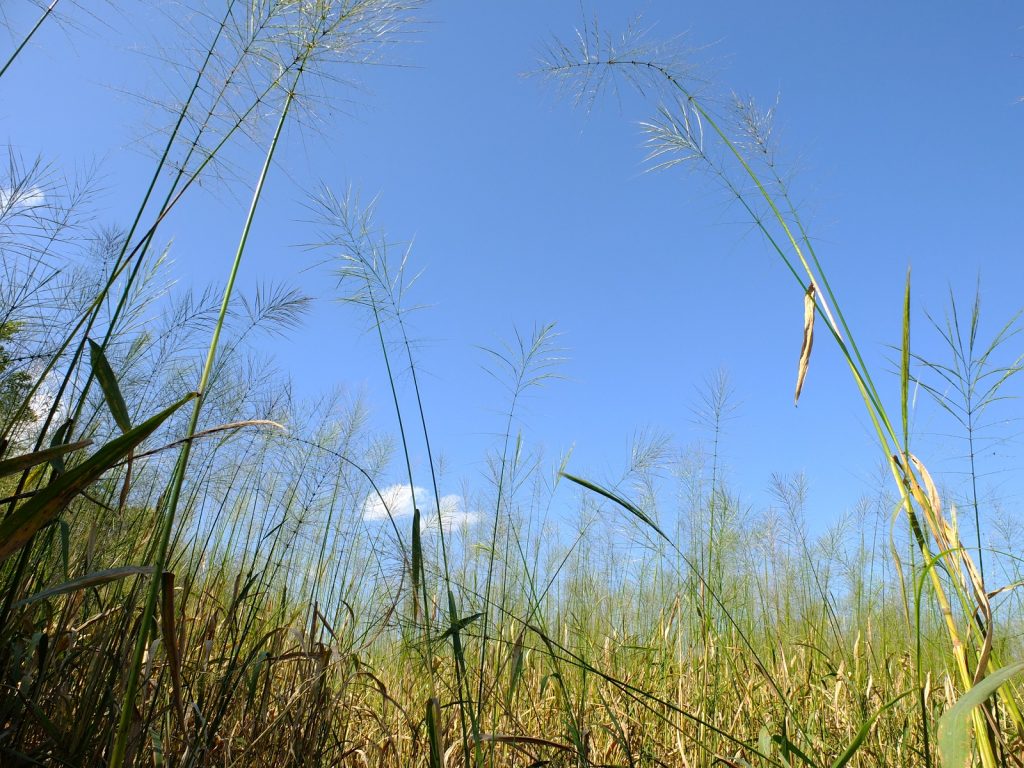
point(244, 583)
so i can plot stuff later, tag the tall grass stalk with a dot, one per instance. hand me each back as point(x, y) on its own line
point(228, 593)
point(967, 384)
point(47, 12)
point(168, 513)
point(679, 136)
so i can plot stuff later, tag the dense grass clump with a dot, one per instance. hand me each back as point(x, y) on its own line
point(196, 569)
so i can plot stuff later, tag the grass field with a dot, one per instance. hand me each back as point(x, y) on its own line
point(189, 576)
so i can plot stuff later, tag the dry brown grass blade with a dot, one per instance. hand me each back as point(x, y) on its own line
point(808, 341)
point(169, 625)
point(499, 738)
point(947, 535)
point(210, 432)
point(933, 492)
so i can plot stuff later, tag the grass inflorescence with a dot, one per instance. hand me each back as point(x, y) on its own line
point(197, 569)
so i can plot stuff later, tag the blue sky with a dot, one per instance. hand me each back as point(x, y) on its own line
point(902, 122)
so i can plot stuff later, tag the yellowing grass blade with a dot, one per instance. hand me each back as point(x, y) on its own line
point(805, 347)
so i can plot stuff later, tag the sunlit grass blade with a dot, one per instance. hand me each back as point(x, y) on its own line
point(88, 581)
point(25, 461)
point(807, 343)
point(905, 368)
point(624, 503)
point(956, 724)
point(19, 528)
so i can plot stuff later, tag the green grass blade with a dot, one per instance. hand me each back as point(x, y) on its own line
point(865, 729)
point(905, 368)
point(459, 625)
point(94, 579)
point(626, 505)
point(25, 461)
point(789, 749)
point(954, 732)
point(20, 527)
point(108, 383)
point(434, 733)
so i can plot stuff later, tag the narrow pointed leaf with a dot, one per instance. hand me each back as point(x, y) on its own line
point(28, 460)
point(60, 437)
point(789, 748)
point(627, 505)
point(44, 506)
point(516, 671)
point(862, 734)
point(459, 625)
point(108, 383)
point(436, 758)
point(905, 367)
point(94, 579)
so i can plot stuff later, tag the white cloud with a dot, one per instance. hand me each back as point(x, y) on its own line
point(399, 500)
point(396, 498)
point(21, 198)
point(40, 404)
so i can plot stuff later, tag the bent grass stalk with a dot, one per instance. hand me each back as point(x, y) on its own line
point(811, 281)
point(147, 241)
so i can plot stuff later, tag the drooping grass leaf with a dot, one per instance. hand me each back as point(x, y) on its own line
point(954, 732)
point(21, 526)
point(807, 343)
point(84, 582)
point(28, 460)
point(627, 505)
point(108, 383)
